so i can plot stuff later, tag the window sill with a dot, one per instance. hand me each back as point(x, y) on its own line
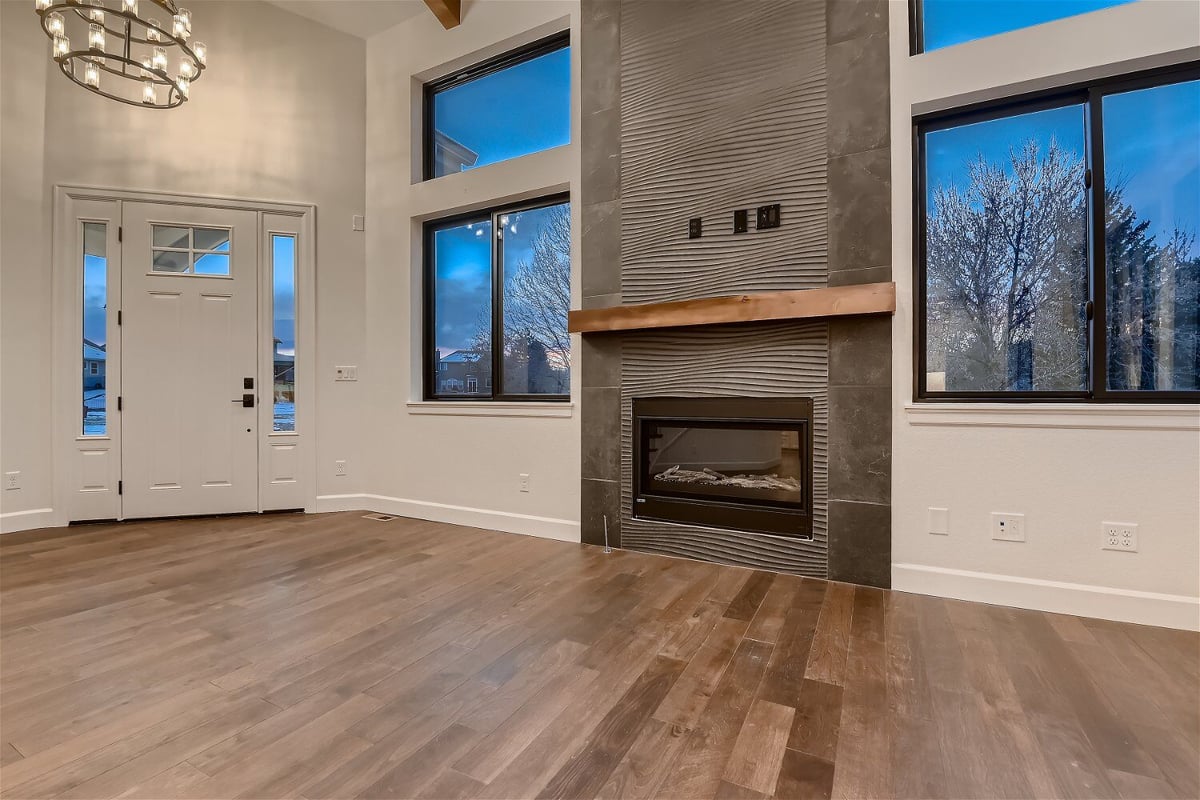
point(1095, 416)
point(466, 408)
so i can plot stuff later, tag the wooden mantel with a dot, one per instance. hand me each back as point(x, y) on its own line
point(839, 301)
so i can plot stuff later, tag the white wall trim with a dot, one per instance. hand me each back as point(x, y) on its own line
point(1103, 602)
point(1094, 416)
point(454, 408)
point(15, 521)
point(563, 530)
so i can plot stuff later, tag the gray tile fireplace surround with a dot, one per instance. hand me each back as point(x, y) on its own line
point(730, 106)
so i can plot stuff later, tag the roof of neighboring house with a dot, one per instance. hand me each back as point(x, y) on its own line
point(462, 154)
point(93, 352)
point(463, 357)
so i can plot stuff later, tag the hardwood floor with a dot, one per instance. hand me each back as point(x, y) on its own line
point(334, 656)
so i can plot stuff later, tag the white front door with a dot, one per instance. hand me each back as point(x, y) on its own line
point(189, 346)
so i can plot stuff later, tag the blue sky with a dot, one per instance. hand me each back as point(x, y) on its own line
point(949, 22)
point(1151, 145)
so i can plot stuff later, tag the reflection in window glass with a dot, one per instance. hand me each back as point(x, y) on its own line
point(1152, 218)
point(536, 264)
point(521, 109)
point(950, 22)
point(462, 308)
point(95, 328)
point(283, 326)
point(1006, 258)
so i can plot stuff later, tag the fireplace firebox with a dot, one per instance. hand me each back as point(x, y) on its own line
point(738, 463)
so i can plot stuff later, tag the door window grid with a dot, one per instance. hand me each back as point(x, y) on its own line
point(191, 250)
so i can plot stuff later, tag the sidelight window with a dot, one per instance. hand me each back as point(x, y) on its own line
point(95, 328)
point(283, 327)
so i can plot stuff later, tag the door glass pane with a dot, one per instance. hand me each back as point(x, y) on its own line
point(171, 261)
point(211, 239)
point(536, 248)
point(95, 328)
point(1152, 218)
point(522, 109)
point(171, 236)
point(1006, 256)
point(462, 309)
point(283, 281)
point(211, 264)
point(948, 22)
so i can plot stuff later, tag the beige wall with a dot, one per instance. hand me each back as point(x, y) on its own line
point(279, 115)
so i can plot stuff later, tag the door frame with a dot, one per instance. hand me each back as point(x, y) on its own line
point(70, 204)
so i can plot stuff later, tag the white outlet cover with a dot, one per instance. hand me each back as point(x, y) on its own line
point(345, 373)
point(1007, 527)
point(1119, 536)
point(939, 521)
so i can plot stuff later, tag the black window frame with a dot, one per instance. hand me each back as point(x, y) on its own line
point(549, 44)
point(429, 295)
point(1091, 95)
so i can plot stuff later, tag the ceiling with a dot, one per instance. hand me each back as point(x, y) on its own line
point(360, 18)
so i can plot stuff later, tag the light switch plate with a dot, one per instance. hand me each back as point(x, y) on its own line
point(939, 521)
point(347, 373)
point(358, 223)
point(1008, 527)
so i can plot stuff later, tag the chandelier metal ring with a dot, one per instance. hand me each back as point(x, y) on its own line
point(123, 43)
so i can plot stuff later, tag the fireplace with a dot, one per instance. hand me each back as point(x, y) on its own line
point(743, 464)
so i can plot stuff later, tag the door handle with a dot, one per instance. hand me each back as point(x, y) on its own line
point(247, 401)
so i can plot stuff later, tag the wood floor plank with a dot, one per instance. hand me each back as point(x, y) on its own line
point(804, 776)
point(758, 752)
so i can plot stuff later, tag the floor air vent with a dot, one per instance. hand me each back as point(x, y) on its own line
point(379, 517)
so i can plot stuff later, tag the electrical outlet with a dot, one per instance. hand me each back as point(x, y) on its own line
point(524, 482)
point(1008, 527)
point(339, 469)
point(741, 221)
point(695, 228)
point(12, 480)
point(1120, 536)
point(939, 521)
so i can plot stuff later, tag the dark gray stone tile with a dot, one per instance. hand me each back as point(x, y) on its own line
point(601, 156)
point(600, 499)
point(600, 241)
point(860, 443)
point(853, 277)
point(860, 543)
point(860, 210)
point(601, 361)
point(857, 92)
point(602, 300)
point(860, 351)
point(849, 19)
point(601, 438)
point(600, 55)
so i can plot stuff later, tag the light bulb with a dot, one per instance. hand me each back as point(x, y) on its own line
point(184, 85)
point(180, 27)
point(149, 96)
point(91, 75)
point(130, 6)
point(159, 59)
point(96, 36)
point(62, 46)
point(147, 68)
point(201, 51)
point(41, 5)
point(187, 69)
point(54, 24)
point(186, 16)
point(152, 28)
point(97, 13)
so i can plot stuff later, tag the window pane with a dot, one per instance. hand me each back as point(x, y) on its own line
point(283, 326)
point(519, 110)
point(1006, 256)
point(211, 264)
point(171, 236)
point(536, 248)
point(948, 22)
point(170, 261)
point(462, 309)
point(1152, 217)
point(211, 239)
point(95, 328)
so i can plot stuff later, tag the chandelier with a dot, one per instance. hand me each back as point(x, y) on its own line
point(136, 59)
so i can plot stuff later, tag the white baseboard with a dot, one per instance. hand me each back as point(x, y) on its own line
point(1079, 599)
point(564, 530)
point(15, 521)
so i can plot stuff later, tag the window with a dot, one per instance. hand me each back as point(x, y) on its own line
point(1057, 251)
point(511, 106)
point(499, 276)
point(942, 23)
point(95, 328)
point(283, 326)
point(182, 250)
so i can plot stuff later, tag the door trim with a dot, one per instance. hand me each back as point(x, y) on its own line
point(65, 291)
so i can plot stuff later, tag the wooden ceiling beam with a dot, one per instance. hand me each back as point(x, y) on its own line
point(448, 12)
